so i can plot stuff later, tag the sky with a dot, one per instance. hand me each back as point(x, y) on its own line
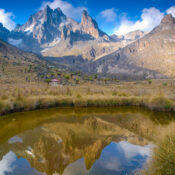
point(113, 16)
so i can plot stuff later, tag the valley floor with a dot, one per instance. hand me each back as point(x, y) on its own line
point(158, 95)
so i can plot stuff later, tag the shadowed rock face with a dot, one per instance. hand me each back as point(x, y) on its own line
point(154, 52)
point(4, 33)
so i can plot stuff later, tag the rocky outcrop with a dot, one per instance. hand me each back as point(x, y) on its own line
point(90, 26)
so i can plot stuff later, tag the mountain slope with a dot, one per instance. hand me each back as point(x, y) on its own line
point(154, 52)
point(17, 65)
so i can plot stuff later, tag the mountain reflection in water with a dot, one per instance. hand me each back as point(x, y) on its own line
point(53, 142)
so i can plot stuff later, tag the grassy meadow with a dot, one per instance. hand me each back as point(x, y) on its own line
point(156, 95)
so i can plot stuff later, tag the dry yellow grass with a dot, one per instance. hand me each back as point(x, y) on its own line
point(160, 95)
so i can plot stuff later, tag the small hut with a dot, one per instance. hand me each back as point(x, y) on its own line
point(54, 82)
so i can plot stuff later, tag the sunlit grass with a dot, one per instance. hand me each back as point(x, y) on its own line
point(23, 97)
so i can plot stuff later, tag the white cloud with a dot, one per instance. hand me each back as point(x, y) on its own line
point(150, 18)
point(66, 7)
point(131, 150)
point(171, 10)
point(109, 15)
point(6, 19)
point(6, 163)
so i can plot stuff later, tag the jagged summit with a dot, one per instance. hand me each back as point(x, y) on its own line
point(168, 19)
point(50, 29)
point(44, 25)
point(90, 26)
point(85, 13)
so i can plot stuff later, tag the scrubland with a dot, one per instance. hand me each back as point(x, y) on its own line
point(156, 95)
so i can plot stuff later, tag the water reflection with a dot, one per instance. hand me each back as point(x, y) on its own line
point(70, 144)
point(115, 160)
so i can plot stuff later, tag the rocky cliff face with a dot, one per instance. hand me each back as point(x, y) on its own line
point(47, 28)
point(154, 52)
point(51, 33)
point(4, 33)
point(90, 26)
point(44, 25)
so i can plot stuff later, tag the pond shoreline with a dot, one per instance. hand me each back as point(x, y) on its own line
point(157, 103)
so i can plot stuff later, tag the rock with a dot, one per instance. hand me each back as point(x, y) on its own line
point(90, 26)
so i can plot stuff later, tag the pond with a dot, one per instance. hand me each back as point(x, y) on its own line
point(80, 141)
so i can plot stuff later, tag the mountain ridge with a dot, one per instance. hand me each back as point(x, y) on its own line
point(154, 52)
point(50, 32)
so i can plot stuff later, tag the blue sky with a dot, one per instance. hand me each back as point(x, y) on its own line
point(113, 16)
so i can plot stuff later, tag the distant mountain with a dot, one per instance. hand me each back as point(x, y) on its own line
point(51, 29)
point(151, 56)
point(51, 33)
point(86, 40)
point(45, 25)
point(129, 37)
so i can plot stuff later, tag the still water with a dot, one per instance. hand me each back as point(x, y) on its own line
point(78, 141)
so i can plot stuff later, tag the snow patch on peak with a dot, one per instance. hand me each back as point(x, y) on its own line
point(30, 28)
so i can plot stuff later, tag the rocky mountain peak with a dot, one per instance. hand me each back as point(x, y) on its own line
point(51, 28)
point(90, 26)
point(168, 19)
point(85, 13)
point(47, 9)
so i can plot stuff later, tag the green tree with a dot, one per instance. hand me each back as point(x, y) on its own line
point(77, 81)
point(95, 76)
point(48, 81)
point(149, 81)
point(30, 68)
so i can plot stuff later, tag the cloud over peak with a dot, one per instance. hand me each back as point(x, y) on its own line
point(66, 7)
point(6, 18)
point(171, 10)
point(150, 18)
